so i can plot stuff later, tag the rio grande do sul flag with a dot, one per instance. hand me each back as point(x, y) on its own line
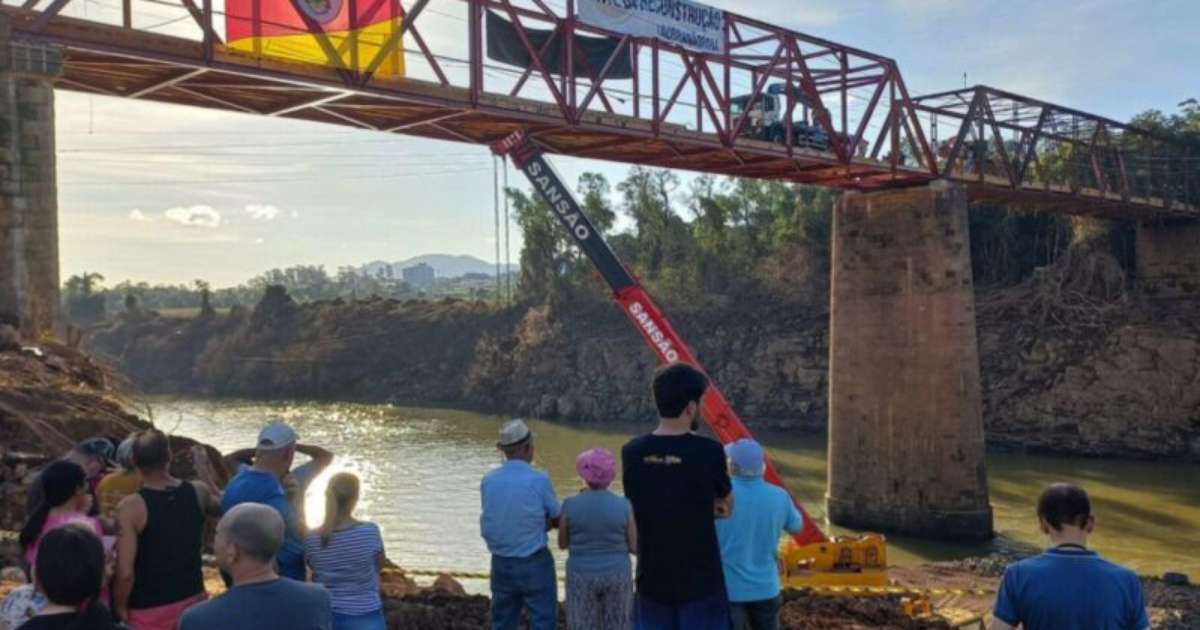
point(290, 30)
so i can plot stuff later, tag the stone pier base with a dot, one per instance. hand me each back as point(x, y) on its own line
point(29, 273)
point(906, 442)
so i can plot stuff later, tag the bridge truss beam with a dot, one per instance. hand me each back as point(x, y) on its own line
point(677, 109)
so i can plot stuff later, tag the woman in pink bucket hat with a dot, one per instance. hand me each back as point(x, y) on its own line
point(597, 527)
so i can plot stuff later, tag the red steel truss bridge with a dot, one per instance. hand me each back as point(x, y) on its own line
point(669, 107)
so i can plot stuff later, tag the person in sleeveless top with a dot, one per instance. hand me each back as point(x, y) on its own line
point(345, 556)
point(159, 572)
point(598, 530)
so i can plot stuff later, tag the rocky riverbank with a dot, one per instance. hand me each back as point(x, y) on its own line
point(443, 605)
point(1070, 364)
point(52, 396)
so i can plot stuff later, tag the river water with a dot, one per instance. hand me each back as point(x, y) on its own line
point(420, 471)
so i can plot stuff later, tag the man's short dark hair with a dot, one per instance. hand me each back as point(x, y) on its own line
point(676, 386)
point(151, 450)
point(1064, 504)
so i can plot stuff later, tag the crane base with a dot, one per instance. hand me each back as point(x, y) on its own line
point(843, 561)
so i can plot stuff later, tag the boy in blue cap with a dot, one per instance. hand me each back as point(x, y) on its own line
point(750, 538)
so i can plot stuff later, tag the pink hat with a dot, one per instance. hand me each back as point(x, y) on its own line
point(597, 467)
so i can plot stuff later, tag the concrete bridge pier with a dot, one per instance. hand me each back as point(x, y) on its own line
point(29, 273)
point(906, 442)
point(1168, 259)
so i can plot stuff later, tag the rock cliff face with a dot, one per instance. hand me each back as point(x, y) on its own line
point(1131, 391)
point(1102, 374)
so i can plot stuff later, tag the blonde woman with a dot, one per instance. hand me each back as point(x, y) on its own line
point(345, 555)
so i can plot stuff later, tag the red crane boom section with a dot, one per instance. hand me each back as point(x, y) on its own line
point(636, 302)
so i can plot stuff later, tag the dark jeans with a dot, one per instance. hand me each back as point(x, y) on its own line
point(524, 583)
point(760, 615)
point(710, 613)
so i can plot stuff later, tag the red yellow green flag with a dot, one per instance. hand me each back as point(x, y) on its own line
point(291, 30)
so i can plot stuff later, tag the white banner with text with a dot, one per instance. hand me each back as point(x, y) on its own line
point(688, 24)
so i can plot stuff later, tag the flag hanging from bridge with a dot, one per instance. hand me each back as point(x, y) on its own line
point(319, 32)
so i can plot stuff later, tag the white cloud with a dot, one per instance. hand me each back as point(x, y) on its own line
point(138, 215)
point(295, 214)
point(259, 241)
point(198, 216)
point(262, 212)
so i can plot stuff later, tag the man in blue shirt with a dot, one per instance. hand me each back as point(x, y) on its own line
point(750, 539)
point(1069, 587)
point(519, 507)
point(262, 483)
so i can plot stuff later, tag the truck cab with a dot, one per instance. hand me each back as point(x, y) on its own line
point(765, 118)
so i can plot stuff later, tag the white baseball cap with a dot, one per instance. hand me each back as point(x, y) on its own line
point(277, 435)
point(514, 432)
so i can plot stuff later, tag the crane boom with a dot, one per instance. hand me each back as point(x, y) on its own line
point(635, 301)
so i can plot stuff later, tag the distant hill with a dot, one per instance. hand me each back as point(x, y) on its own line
point(444, 265)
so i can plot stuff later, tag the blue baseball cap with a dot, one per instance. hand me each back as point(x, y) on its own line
point(748, 456)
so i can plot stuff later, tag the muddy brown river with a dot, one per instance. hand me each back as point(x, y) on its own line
point(420, 471)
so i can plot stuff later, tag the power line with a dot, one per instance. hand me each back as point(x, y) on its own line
point(210, 182)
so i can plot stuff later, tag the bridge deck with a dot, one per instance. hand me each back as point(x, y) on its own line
point(112, 60)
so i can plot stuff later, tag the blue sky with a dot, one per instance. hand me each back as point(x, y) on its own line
point(169, 194)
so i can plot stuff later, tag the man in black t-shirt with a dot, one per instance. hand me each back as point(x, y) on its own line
point(678, 483)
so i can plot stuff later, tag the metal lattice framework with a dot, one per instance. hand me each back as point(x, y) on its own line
point(676, 110)
point(1015, 142)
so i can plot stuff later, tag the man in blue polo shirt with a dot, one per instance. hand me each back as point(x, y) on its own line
point(262, 483)
point(1069, 587)
point(519, 506)
point(750, 538)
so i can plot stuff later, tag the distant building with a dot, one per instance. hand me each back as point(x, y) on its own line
point(419, 275)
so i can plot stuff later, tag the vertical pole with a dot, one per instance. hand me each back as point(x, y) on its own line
point(568, 73)
point(208, 30)
point(845, 98)
point(507, 247)
point(637, 79)
point(728, 96)
point(127, 13)
point(894, 130)
point(475, 34)
point(657, 126)
point(496, 213)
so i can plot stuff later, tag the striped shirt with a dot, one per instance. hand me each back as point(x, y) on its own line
point(348, 567)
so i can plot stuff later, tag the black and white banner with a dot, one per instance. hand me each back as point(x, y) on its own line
point(688, 24)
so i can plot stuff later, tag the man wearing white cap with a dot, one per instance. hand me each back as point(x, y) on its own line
point(263, 483)
point(519, 506)
point(750, 538)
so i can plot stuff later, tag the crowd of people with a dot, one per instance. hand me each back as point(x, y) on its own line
point(113, 540)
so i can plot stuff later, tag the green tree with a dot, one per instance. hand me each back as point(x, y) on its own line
point(594, 192)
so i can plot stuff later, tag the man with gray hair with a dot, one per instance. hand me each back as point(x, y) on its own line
point(248, 539)
point(519, 506)
point(749, 538)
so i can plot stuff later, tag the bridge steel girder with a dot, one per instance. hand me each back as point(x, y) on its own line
point(586, 115)
point(1086, 157)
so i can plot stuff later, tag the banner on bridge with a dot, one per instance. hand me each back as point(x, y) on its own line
point(682, 22)
point(292, 30)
